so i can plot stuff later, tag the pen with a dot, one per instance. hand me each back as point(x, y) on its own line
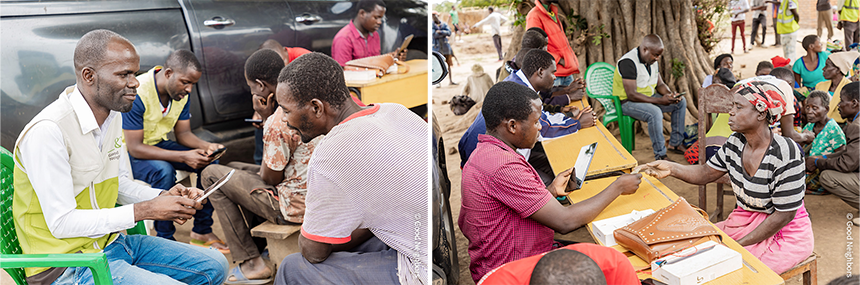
point(664, 262)
point(688, 256)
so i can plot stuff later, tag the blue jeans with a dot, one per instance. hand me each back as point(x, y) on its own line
point(653, 115)
point(161, 174)
point(372, 262)
point(139, 259)
point(563, 81)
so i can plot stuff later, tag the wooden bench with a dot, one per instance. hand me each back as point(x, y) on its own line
point(809, 269)
point(282, 240)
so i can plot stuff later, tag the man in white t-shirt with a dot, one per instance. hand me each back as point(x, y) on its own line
point(739, 10)
point(495, 20)
point(366, 204)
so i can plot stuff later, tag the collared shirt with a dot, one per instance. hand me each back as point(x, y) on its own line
point(42, 153)
point(500, 192)
point(495, 20)
point(389, 142)
point(349, 44)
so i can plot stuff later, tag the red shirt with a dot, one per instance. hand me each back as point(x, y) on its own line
point(557, 44)
point(615, 266)
point(294, 52)
point(500, 191)
point(349, 44)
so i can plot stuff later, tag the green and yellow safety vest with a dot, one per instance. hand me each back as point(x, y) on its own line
point(645, 83)
point(785, 23)
point(94, 176)
point(156, 125)
point(850, 12)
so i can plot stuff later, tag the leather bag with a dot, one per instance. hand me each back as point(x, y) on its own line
point(379, 63)
point(669, 230)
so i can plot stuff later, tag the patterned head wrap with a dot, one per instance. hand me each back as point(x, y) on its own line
point(763, 96)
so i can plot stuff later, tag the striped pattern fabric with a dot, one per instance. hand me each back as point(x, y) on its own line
point(778, 183)
point(500, 191)
point(371, 171)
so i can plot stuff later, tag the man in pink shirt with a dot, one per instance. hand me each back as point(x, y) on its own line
point(507, 214)
point(360, 39)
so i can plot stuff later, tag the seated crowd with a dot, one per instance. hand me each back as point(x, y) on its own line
point(791, 131)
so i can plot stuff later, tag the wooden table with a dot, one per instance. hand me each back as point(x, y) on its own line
point(408, 89)
point(652, 194)
point(610, 155)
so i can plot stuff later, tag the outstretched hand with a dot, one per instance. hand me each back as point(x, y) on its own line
point(658, 168)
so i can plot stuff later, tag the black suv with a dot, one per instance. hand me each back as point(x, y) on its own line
point(38, 39)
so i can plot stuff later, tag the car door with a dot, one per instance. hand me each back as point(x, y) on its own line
point(224, 34)
point(322, 19)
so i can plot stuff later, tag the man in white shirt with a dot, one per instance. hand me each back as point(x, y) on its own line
point(357, 229)
point(70, 173)
point(495, 20)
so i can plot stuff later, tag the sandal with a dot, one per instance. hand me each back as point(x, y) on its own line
point(677, 149)
point(241, 279)
point(208, 244)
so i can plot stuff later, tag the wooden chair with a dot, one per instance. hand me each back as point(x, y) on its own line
point(714, 99)
point(809, 269)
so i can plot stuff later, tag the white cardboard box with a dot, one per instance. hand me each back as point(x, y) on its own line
point(604, 229)
point(685, 267)
point(359, 75)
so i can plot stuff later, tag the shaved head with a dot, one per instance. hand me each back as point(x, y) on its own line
point(652, 41)
point(91, 48)
point(651, 49)
point(566, 266)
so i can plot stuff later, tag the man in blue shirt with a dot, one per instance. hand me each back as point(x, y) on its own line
point(161, 106)
point(537, 71)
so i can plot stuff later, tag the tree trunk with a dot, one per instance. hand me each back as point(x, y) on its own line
point(627, 22)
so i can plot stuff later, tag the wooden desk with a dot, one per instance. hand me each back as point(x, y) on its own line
point(408, 89)
point(654, 195)
point(610, 155)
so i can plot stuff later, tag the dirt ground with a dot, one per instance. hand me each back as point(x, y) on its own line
point(833, 231)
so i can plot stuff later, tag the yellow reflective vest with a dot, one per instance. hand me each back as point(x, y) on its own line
point(785, 23)
point(850, 12)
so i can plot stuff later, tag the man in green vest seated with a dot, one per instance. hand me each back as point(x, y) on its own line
point(645, 97)
point(161, 106)
point(70, 173)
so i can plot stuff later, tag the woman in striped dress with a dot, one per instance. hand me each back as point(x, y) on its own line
point(767, 176)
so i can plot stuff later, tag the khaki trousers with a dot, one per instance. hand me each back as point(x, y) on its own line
point(241, 204)
point(825, 18)
point(843, 185)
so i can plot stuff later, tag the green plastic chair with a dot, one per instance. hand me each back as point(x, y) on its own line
point(11, 258)
point(598, 82)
